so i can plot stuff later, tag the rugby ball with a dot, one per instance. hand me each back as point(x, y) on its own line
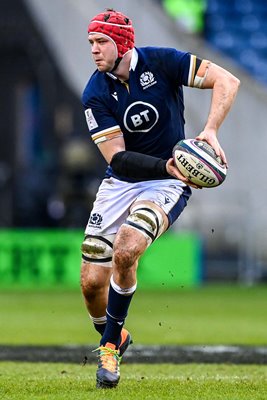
point(198, 161)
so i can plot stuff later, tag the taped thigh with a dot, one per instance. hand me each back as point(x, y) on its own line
point(147, 220)
point(98, 249)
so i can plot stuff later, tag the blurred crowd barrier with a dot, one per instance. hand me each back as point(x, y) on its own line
point(51, 258)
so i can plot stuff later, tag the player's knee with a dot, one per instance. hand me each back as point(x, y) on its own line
point(96, 262)
point(90, 290)
point(125, 257)
point(91, 284)
point(147, 220)
point(98, 249)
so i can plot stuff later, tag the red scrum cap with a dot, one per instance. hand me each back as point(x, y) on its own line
point(117, 26)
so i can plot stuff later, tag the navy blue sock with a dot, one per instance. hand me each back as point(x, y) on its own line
point(99, 323)
point(117, 310)
point(100, 328)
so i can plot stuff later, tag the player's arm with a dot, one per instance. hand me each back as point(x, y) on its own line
point(109, 148)
point(224, 87)
point(135, 165)
point(111, 143)
point(131, 164)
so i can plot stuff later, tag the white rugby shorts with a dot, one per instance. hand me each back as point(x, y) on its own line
point(114, 199)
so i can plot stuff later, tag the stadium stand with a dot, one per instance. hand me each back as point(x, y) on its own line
point(238, 29)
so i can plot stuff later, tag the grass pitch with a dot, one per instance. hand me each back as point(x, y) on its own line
point(204, 315)
point(26, 381)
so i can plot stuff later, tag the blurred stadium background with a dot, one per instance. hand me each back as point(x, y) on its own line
point(50, 170)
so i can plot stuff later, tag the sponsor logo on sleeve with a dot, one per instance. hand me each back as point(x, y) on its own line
point(90, 119)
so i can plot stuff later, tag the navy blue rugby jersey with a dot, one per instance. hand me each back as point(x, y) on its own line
point(148, 109)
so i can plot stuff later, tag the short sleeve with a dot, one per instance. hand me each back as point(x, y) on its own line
point(179, 66)
point(101, 123)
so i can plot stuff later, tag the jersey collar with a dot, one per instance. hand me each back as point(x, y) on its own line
point(133, 64)
point(134, 60)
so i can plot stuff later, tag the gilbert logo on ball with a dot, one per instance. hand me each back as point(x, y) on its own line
point(198, 161)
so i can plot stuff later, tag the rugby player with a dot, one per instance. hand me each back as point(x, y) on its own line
point(134, 109)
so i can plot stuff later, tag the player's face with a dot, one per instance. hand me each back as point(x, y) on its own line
point(103, 52)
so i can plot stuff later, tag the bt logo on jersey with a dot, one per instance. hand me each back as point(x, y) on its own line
point(140, 117)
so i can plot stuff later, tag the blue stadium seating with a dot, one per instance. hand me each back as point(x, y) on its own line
point(238, 28)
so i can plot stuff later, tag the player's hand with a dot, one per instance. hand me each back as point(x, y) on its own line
point(209, 136)
point(175, 172)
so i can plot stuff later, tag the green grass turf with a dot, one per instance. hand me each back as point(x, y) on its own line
point(26, 381)
point(209, 315)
